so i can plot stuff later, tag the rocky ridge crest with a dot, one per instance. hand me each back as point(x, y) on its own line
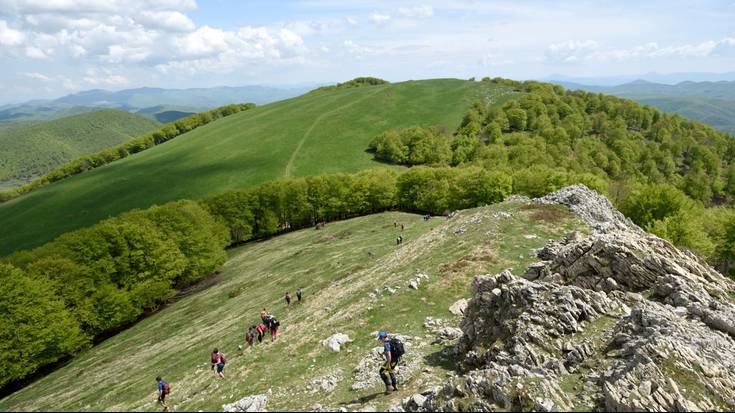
point(616, 320)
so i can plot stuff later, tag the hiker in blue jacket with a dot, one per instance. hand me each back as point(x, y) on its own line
point(392, 352)
point(163, 391)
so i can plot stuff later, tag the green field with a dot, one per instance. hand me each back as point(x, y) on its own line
point(29, 151)
point(338, 276)
point(320, 132)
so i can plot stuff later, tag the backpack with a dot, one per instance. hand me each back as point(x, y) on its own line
point(396, 348)
point(166, 388)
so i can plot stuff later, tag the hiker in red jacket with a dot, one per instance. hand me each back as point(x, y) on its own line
point(261, 329)
point(218, 361)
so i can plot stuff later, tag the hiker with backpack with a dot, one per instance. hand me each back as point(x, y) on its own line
point(393, 350)
point(288, 299)
point(163, 390)
point(218, 361)
point(298, 295)
point(250, 335)
point(272, 323)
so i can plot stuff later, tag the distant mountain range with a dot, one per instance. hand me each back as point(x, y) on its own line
point(710, 102)
point(664, 78)
point(164, 105)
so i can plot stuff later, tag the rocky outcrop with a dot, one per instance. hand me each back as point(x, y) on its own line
point(615, 320)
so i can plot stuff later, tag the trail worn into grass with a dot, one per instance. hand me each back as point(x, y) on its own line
point(344, 291)
point(292, 158)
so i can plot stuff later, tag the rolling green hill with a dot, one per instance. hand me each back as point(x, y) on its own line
point(712, 103)
point(32, 150)
point(320, 132)
point(718, 113)
point(340, 268)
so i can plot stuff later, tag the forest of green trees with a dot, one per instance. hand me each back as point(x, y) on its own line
point(163, 134)
point(670, 175)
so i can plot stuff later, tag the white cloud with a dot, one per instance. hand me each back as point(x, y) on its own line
point(589, 50)
point(421, 12)
point(35, 53)
point(351, 21)
point(37, 76)
point(205, 41)
point(170, 21)
point(359, 51)
point(379, 19)
point(105, 77)
point(571, 50)
point(76, 7)
point(213, 50)
point(8, 36)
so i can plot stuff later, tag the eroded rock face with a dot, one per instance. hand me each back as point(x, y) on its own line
point(617, 320)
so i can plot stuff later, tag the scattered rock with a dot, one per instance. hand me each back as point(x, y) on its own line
point(459, 307)
point(248, 404)
point(447, 335)
point(325, 384)
point(335, 342)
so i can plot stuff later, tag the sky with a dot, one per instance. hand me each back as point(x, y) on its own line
point(50, 48)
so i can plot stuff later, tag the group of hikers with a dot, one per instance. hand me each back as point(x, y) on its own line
point(269, 324)
point(393, 348)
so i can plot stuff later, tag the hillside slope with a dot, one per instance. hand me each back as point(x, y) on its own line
point(355, 282)
point(30, 151)
point(320, 132)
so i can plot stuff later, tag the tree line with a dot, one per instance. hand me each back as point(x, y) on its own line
point(163, 134)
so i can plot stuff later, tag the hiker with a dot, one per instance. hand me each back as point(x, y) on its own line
point(392, 352)
point(395, 224)
point(288, 299)
point(163, 390)
point(250, 335)
point(298, 294)
point(218, 361)
point(398, 240)
point(402, 227)
point(263, 315)
point(273, 324)
point(261, 329)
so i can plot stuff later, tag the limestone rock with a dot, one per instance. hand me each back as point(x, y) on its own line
point(459, 307)
point(335, 342)
point(248, 404)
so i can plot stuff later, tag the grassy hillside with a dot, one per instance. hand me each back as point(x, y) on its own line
point(30, 151)
point(320, 132)
point(338, 276)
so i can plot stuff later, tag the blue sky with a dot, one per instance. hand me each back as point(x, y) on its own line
point(50, 48)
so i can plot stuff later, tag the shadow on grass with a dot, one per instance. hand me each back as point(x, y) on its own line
point(444, 358)
point(363, 399)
